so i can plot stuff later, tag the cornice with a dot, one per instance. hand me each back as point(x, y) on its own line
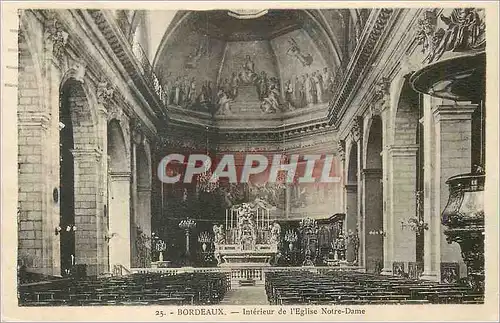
point(359, 64)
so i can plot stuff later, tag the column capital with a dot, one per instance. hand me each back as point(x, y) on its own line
point(351, 187)
point(145, 189)
point(120, 176)
point(403, 150)
point(372, 173)
point(453, 112)
point(34, 120)
point(87, 153)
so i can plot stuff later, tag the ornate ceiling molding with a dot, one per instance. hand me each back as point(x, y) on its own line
point(359, 63)
point(56, 37)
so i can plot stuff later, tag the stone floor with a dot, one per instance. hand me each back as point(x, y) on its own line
point(251, 295)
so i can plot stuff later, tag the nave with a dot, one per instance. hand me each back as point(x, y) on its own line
point(290, 287)
point(104, 220)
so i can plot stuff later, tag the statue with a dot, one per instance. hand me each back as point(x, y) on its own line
point(275, 233)
point(219, 234)
point(247, 235)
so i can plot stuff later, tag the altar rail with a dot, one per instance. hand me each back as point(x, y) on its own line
point(241, 272)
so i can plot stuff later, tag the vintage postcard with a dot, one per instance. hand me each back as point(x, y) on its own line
point(249, 161)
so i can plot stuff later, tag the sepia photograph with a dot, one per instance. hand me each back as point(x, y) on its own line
point(247, 164)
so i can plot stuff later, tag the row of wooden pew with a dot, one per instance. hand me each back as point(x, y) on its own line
point(336, 287)
point(136, 289)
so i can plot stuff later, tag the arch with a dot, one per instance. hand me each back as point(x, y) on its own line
point(406, 117)
point(141, 233)
point(373, 198)
point(78, 170)
point(119, 220)
point(405, 162)
point(175, 23)
point(73, 75)
point(373, 159)
point(117, 151)
point(352, 163)
point(351, 204)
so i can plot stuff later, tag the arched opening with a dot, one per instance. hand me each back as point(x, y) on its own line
point(407, 170)
point(67, 182)
point(78, 175)
point(141, 256)
point(351, 187)
point(372, 175)
point(118, 198)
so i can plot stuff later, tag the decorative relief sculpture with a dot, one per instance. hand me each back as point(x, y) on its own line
point(78, 66)
point(381, 96)
point(104, 93)
point(341, 148)
point(357, 129)
point(56, 36)
point(247, 234)
point(464, 31)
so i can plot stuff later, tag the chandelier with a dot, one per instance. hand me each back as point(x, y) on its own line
point(204, 237)
point(291, 236)
point(207, 181)
point(187, 224)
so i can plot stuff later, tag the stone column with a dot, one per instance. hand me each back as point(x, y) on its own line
point(402, 184)
point(430, 269)
point(119, 220)
point(351, 211)
point(356, 133)
point(373, 216)
point(135, 216)
point(447, 142)
point(453, 156)
point(86, 186)
point(102, 196)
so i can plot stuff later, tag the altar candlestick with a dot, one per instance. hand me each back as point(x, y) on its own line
point(232, 213)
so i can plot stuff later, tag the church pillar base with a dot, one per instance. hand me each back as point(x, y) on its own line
point(387, 272)
point(431, 276)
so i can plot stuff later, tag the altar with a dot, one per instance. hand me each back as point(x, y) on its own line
point(249, 236)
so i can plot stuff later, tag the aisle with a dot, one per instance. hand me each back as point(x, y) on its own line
point(251, 295)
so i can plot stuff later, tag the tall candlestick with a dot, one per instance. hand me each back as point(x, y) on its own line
point(225, 223)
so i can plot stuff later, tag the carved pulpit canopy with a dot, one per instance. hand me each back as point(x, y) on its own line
point(463, 30)
point(453, 42)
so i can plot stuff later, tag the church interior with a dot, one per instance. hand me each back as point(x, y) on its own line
point(395, 96)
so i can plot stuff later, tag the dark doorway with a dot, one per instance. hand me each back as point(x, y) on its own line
point(67, 192)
